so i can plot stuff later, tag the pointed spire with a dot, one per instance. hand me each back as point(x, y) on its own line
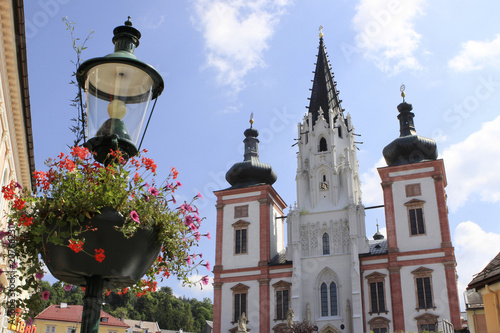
point(251, 171)
point(324, 94)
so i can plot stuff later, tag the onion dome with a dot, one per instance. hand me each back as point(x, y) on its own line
point(409, 147)
point(251, 171)
point(378, 235)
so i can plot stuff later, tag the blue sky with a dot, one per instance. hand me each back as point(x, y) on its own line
point(224, 59)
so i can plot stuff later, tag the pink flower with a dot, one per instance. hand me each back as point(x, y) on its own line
point(188, 220)
point(188, 260)
point(3, 234)
point(39, 275)
point(178, 183)
point(173, 200)
point(208, 235)
point(197, 235)
point(197, 219)
point(199, 195)
point(205, 280)
point(154, 192)
point(207, 265)
point(45, 295)
point(185, 207)
point(134, 216)
point(68, 287)
point(14, 265)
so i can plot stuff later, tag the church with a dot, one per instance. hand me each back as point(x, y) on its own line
point(327, 271)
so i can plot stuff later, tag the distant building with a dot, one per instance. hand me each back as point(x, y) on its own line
point(327, 271)
point(482, 299)
point(209, 327)
point(66, 318)
point(139, 326)
point(16, 140)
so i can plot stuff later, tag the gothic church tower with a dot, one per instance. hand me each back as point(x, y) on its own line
point(326, 227)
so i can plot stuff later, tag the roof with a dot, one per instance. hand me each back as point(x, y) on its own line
point(209, 323)
point(409, 147)
point(324, 94)
point(73, 314)
point(251, 171)
point(378, 246)
point(279, 259)
point(139, 325)
point(489, 275)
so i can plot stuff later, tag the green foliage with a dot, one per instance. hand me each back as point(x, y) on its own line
point(162, 306)
point(75, 189)
point(78, 127)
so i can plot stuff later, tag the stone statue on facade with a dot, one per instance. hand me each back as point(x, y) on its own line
point(242, 323)
point(289, 318)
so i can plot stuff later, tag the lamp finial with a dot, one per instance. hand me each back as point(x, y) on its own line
point(402, 89)
point(251, 120)
point(320, 31)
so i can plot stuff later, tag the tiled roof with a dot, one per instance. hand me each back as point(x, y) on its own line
point(490, 274)
point(378, 246)
point(73, 313)
point(140, 325)
point(279, 259)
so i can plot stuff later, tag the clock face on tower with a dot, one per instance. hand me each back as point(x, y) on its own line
point(323, 186)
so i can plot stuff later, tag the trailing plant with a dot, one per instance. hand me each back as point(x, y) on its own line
point(75, 189)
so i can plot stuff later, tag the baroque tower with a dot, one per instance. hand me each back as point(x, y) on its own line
point(326, 227)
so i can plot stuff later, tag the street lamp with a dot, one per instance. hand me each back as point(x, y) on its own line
point(118, 89)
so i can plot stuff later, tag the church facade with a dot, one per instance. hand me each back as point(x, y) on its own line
point(327, 272)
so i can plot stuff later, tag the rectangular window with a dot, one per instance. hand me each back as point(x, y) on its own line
point(424, 293)
point(240, 305)
point(241, 211)
point(282, 304)
point(428, 328)
point(416, 221)
point(377, 297)
point(50, 329)
point(240, 241)
point(379, 330)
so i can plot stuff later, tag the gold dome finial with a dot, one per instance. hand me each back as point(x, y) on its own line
point(320, 31)
point(251, 120)
point(402, 89)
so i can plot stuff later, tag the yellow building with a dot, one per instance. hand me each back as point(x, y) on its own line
point(486, 282)
point(66, 318)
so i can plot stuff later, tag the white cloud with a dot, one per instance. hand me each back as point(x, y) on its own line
point(236, 34)
point(370, 185)
point(477, 55)
point(467, 176)
point(474, 249)
point(386, 34)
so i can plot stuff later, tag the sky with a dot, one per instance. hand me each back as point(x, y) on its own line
point(222, 60)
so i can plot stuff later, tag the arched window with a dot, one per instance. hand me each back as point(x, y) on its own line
point(322, 145)
point(328, 294)
point(333, 299)
point(324, 300)
point(326, 244)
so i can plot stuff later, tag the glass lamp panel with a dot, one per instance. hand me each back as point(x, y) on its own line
point(132, 114)
point(119, 81)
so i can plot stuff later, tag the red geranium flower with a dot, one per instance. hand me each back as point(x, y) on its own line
point(76, 245)
point(99, 255)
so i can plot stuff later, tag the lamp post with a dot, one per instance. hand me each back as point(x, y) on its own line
point(118, 89)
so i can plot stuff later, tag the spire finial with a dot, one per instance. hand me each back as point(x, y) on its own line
point(320, 31)
point(128, 22)
point(402, 89)
point(251, 120)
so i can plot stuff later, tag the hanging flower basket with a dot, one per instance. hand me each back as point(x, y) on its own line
point(114, 221)
point(127, 259)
